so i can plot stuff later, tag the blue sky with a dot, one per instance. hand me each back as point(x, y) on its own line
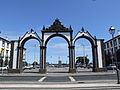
point(19, 16)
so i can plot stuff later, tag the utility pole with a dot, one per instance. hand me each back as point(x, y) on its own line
point(51, 60)
point(83, 52)
point(34, 52)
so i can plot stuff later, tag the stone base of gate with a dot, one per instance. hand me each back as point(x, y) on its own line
point(100, 70)
point(15, 70)
point(71, 70)
point(42, 70)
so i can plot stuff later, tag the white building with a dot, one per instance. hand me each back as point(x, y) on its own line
point(14, 52)
point(111, 46)
point(5, 48)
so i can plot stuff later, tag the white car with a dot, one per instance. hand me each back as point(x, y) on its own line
point(28, 67)
point(4, 68)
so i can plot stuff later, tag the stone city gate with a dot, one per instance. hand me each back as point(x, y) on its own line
point(56, 29)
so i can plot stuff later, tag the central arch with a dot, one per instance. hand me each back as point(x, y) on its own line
point(53, 60)
point(57, 29)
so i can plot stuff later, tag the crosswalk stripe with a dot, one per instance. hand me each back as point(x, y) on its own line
point(43, 78)
point(72, 79)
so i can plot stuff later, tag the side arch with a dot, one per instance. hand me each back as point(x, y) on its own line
point(87, 35)
point(93, 42)
point(29, 35)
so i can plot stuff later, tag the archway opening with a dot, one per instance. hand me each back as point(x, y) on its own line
point(57, 55)
point(31, 56)
point(83, 55)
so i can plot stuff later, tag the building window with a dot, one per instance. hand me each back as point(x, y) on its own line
point(111, 51)
point(108, 52)
point(119, 40)
point(2, 54)
point(107, 45)
point(6, 53)
point(115, 48)
point(115, 42)
point(7, 45)
point(111, 44)
point(3, 43)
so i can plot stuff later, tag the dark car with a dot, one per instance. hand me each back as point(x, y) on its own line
point(111, 66)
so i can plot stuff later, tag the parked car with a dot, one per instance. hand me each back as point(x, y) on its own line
point(4, 68)
point(90, 66)
point(28, 67)
point(111, 66)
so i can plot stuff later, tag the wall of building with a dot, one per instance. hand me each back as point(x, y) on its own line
point(5, 48)
point(100, 57)
point(111, 46)
point(15, 50)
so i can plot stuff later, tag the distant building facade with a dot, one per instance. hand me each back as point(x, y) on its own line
point(5, 48)
point(111, 46)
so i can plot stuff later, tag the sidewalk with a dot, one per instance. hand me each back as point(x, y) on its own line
point(58, 74)
point(80, 86)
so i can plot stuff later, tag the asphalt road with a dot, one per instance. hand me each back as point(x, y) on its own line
point(59, 78)
point(56, 80)
point(56, 76)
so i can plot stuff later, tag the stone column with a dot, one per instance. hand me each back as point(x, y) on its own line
point(95, 58)
point(43, 59)
point(72, 68)
point(20, 59)
point(19, 62)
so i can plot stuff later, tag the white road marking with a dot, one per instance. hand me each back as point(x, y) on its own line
point(43, 78)
point(72, 79)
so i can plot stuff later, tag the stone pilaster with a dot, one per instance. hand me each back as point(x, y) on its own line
point(43, 59)
point(72, 68)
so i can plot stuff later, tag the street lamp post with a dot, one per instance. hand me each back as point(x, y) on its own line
point(83, 52)
point(112, 31)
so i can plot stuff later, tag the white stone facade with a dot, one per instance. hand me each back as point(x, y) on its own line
point(5, 48)
point(111, 47)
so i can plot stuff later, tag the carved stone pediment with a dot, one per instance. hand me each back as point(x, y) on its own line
point(56, 26)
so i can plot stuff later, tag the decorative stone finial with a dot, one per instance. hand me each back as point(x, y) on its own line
point(82, 29)
point(31, 30)
point(70, 28)
point(95, 37)
point(43, 28)
point(57, 22)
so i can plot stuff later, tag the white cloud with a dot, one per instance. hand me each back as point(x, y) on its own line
point(58, 45)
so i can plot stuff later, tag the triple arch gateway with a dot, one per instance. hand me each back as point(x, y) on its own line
point(56, 29)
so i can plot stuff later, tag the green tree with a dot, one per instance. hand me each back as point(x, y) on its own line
point(35, 63)
point(81, 60)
